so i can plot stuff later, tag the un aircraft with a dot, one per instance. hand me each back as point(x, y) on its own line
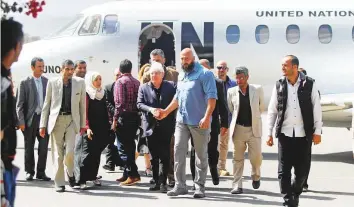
point(253, 33)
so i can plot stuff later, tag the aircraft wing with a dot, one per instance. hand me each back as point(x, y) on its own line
point(334, 102)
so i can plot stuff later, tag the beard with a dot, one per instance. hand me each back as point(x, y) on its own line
point(188, 67)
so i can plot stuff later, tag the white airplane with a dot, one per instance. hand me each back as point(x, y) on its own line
point(320, 35)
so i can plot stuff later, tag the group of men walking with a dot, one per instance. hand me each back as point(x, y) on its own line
point(196, 107)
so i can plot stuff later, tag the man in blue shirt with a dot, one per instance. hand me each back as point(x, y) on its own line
point(222, 70)
point(195, 101)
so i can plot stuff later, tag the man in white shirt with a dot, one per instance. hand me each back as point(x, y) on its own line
point(295, 104)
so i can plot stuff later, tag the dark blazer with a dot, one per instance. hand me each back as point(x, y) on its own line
point(147, 99)
point(27, 100)
point(109, 96)
point(220, 113)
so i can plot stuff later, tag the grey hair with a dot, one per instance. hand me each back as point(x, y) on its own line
point(34, 60)
point(157, 52)
point(241, 70)
point(156, 67)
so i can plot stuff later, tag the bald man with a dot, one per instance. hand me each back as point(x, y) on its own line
point(195, 101)
point(218, 125)
point(205, 63)
point(222, 70)
point(112, 157)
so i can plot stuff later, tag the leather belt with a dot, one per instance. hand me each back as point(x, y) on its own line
point(244, 125)
point(64, 113)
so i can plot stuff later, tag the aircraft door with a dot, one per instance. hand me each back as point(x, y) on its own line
point(157, 36)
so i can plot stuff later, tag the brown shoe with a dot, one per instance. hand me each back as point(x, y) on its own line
point(130, 181)
point(224, 173)
point(122, 179)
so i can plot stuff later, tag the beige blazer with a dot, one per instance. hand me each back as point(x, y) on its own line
point(256, 96)
point(53, 99)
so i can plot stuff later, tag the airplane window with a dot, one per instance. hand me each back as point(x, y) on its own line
point(69, 28)
point(91, 25)
point(325, 34)
point(293, 34)
point(262, 34)
point(110, 24)
point(233, 34)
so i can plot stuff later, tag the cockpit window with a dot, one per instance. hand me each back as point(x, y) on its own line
point(69, 28)
point(91, 25)
point(110, 25)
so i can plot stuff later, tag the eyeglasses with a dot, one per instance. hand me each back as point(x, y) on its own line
point(221, 67)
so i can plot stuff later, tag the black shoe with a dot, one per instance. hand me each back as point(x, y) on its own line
point(256, 184)
point(29, 177)
point(43, 177)
point(71, 180)
point(163, 188)
point(108, 168)
point(156, 187)
point(237, 191)
point(152, 181)
point(305, 188)
point(60, 189)
point(171, 183)
point(291, 201)
point(215, 175)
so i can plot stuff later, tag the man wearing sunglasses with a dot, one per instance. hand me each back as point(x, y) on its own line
point(222, 70)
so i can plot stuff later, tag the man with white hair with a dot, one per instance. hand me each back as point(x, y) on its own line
point(154, 95)
point(157, 55)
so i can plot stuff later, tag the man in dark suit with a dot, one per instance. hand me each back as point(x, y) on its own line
point(220, 119)
point(30, 98)
point(154, 95)
point(112, 157)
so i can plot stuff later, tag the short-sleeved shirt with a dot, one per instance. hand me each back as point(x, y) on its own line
point(194, 89)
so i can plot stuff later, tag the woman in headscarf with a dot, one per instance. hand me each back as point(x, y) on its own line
point(97, 135)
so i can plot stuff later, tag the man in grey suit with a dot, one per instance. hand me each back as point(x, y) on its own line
point(30, 97)
point(64, 114)
point(246, 103)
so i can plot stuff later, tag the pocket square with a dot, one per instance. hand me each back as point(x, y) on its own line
point(78, 94)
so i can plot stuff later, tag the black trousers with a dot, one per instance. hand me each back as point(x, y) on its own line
point(30, 134)
point(293, 152)
point(88, 156)
point(213, 153)
point(112, 156)
point(159, 147)
point(308, 165)
point(126, 133)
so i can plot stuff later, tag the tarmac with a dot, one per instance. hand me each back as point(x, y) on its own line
point(331, 182)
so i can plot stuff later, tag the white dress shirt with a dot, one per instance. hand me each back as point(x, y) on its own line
point(293, 121)
point(39, 86)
